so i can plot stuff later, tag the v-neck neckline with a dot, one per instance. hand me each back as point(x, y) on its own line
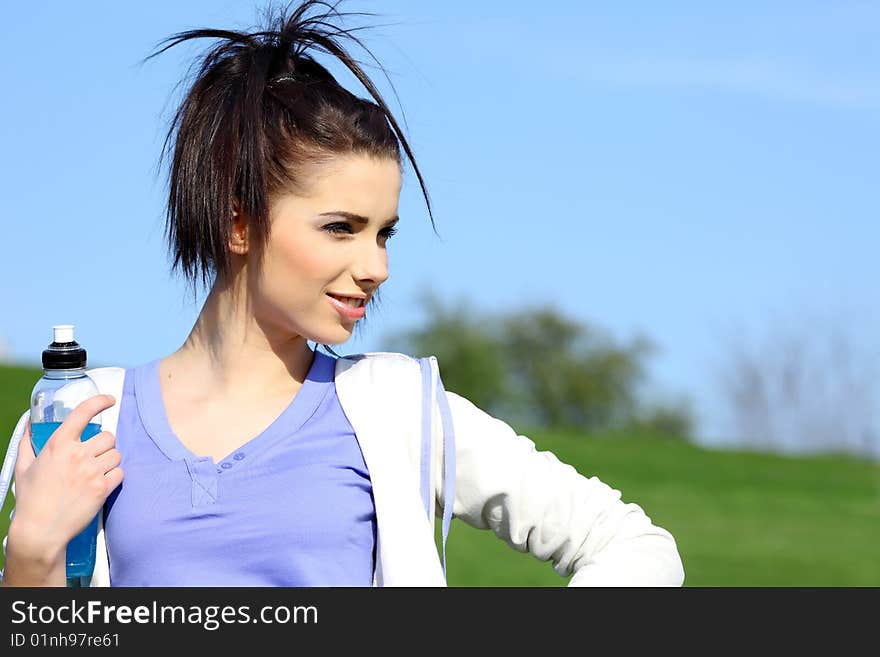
point(154, 417)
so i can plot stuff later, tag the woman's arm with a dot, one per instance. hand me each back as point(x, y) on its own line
point(26, 562)
point(56, 494)
point(536, 503)
point(30, 563)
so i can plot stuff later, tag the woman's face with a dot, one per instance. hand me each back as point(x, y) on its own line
point(312, 250)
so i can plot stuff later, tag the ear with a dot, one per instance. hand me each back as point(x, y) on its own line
point(238, 239)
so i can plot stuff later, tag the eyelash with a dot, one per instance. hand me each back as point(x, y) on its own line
point(333, 228)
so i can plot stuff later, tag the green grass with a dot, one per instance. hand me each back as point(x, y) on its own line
point(739, 518)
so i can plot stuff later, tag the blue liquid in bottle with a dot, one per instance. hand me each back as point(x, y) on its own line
point(80, 558)
point(64, 386)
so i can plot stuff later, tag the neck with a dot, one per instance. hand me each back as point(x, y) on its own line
point(231, 353)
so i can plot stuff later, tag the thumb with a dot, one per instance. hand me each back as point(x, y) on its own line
point(75, 423)
point(25, 455)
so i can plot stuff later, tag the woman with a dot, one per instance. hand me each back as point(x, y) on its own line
point(245, 457)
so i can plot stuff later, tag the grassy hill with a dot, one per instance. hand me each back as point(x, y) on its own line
point(739, 518)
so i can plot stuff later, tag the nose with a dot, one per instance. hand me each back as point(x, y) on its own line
point(372, 265)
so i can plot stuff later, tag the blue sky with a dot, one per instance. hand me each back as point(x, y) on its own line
point(686, 170)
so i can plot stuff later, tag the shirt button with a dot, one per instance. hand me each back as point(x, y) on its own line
point(225, 466)
point(219, 470)
point(238, 457)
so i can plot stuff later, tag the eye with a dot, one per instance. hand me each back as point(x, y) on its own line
point(341, 228)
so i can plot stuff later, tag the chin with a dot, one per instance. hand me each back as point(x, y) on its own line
point(339, 336)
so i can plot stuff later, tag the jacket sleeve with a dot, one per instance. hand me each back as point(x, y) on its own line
point(6, 471)
point(537, 504)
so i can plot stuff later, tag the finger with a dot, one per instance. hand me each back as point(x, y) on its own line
point(26, 454)
point(109, 460)
point(114, 478)
point(99, 443)
point(75, 423)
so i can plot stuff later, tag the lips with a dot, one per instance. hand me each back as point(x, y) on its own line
point(344, 298)
point(345, 310)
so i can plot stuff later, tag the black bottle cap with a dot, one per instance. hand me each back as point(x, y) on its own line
point(64, 355)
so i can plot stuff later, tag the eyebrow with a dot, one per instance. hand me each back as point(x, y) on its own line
point(356, 217)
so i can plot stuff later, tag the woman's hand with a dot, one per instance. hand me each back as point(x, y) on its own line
point(60, 491)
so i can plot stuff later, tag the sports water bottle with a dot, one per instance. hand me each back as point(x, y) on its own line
point(62, 387)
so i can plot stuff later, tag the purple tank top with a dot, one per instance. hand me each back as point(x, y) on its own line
point(293, 506)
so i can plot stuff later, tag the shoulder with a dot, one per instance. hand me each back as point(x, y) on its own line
point(377, 367)
point(381, 356)
point(378, 390)
point(106, 377)
point(378, 359)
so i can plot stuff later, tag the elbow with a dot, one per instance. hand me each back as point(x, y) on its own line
point(674, 568)
point(648, 559)
point(658, 559)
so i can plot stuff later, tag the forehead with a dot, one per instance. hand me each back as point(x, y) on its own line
point(355, 183)
point(361, 185)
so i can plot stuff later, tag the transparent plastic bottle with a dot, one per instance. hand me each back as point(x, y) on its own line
point(62, 387)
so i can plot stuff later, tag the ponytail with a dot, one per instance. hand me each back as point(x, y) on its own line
point(260, 112)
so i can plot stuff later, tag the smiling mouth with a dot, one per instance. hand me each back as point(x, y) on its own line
point(351, 302)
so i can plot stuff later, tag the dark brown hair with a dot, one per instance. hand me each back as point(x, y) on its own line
point(260, 112)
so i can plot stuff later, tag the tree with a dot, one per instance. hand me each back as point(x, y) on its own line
point(536, 367)
point(575, 375)
point(470, 357)
point(810, 388)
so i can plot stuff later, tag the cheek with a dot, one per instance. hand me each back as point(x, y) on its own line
point(297, 263)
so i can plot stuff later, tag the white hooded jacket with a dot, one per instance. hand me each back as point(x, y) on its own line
point(529, 499)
